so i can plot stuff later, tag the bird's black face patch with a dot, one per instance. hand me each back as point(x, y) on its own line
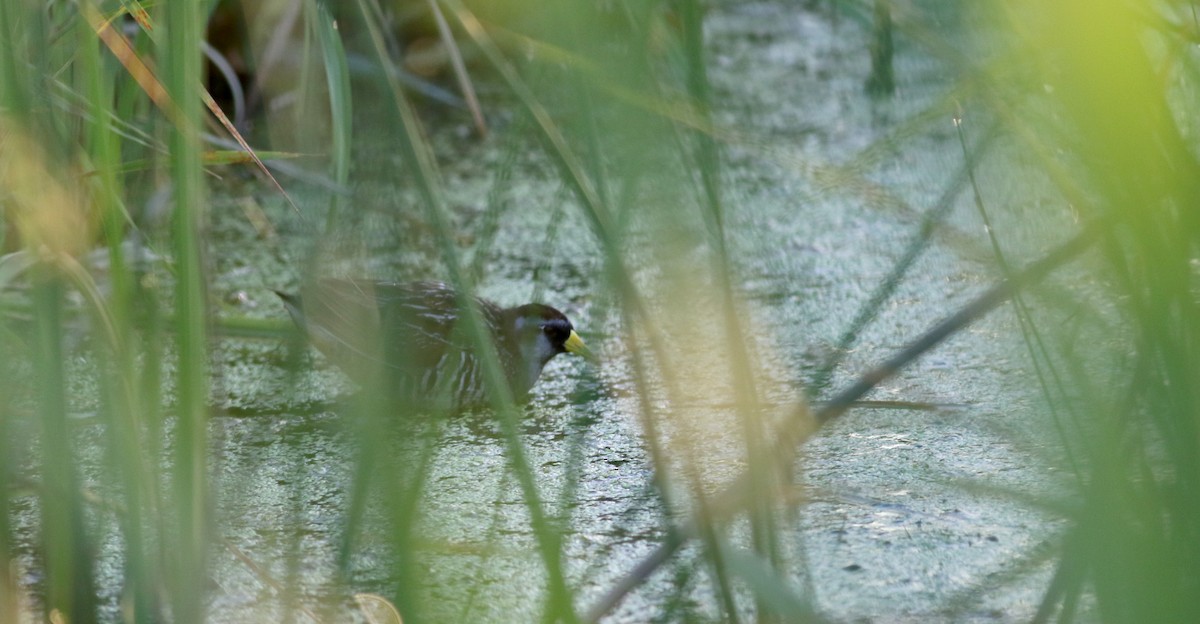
point(558, 330)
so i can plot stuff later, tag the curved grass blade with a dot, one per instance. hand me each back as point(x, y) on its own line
point(418, 154)
point(337, 76)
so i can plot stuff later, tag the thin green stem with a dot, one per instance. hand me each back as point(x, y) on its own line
point(181, 50)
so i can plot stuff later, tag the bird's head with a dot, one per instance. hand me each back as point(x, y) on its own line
point(543, 332)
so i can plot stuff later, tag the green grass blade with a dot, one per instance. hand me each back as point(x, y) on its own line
point(337, 78)
point(180, 50)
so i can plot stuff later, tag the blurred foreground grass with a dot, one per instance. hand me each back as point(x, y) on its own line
point(110, 111)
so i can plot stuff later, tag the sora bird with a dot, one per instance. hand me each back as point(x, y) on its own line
point(410, 336)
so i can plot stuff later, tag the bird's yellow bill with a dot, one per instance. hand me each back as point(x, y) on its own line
point(574, 344)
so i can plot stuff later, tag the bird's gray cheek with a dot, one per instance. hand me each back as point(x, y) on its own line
point(545, 349)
